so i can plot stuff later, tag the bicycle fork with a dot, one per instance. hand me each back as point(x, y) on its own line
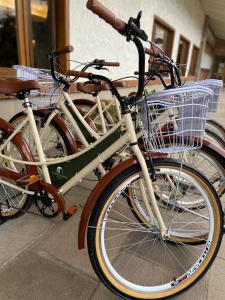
point(153, 208)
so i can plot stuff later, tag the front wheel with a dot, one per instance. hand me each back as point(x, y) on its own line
point(130, 257)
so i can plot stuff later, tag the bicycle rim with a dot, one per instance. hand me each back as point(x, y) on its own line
point(127, 253)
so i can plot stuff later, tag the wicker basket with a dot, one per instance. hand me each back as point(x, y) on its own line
point(49, 92)
point(174, 120)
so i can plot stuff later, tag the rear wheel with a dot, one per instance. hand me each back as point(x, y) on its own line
point(208, 162)
point(131, 258)
point(54, 141)
point(214, 137)
point(216, 127)
point(13, 203)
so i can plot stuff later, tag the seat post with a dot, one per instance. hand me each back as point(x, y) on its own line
point(37, 139)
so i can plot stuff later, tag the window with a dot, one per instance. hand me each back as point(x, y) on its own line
point(28, 30)
point(182, 55)
point(163, 35)
point(194, 61)
point(221, 66)
point(8, 38)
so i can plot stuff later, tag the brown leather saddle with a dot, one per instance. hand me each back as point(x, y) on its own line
point(11, 87)
point(91, 88)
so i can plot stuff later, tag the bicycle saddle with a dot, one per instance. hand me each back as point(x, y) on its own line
point(10, 87)
point(90, 88)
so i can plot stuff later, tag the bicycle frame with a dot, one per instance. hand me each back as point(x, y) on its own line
point(65, 175)
point(101, 106)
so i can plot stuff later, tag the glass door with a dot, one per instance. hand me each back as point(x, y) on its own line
point(42, 34)
point(8, 33)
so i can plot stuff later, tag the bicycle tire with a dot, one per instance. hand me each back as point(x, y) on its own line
point(215, 137)
point(211, 158)
point(13, 203)
point(106, 267)
point(216, 160)
point(218, 127)
point(66, 138)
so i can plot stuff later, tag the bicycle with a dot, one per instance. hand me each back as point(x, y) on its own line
point(160, 65)
point(209, 154)
point(107, 205)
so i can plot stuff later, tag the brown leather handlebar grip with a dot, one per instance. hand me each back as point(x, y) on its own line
point(106, 14)
point(78, 74)
point(153, 51)
point(111, 64)
point(64, 50)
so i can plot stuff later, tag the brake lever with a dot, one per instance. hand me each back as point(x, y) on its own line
point(137, 21)
point(93, 81)
point(133, 29)
point(106, 69)
point(100, 67)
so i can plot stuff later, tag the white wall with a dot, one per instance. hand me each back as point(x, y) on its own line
point(93, 38)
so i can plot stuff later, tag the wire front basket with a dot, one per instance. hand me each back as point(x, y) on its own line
point(216, 86)
point(174, 120)
point(49, 92)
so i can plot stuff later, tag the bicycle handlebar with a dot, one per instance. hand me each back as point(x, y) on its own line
point(133, 33)
point(106, 14)
point(110, 64)
point(79, 74)
point(60, 51)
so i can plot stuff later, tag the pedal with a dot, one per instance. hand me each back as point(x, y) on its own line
point(70, 212)
point(28, 180)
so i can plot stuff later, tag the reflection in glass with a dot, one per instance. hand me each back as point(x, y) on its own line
point(159, 37)
point(8, 40)
point(221, 66)
point(43, 31)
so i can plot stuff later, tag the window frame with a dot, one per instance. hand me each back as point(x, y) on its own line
point(184, 57)
point(157, 21)
point(191, 68)
point(23, 44)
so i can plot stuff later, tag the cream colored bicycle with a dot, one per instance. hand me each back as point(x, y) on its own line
point(175, 243)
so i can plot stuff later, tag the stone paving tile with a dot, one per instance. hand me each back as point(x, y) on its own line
point(102, 293)
point(89, 182)
point(62, 241)
point(16, 234)
point(221, 253)
point(31, 276)
point(78, 195)
point(216, 286)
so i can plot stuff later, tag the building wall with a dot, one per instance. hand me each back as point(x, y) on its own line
point(93, 38)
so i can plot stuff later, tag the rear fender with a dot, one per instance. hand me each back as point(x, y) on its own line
point(22, 146)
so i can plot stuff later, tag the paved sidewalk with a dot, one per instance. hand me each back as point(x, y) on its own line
point(39, 259)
